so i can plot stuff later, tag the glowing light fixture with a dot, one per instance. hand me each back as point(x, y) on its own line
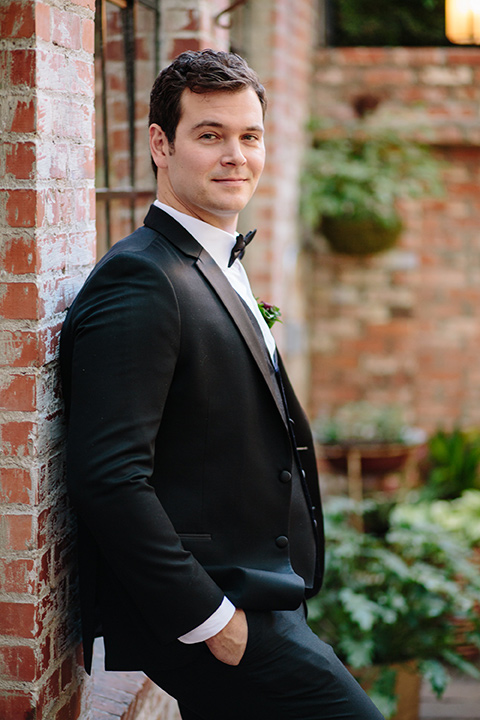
point(462, 20)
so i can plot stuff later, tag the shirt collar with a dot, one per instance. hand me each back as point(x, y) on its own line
point(218, 243)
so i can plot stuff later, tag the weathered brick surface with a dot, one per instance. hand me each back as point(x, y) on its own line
point(430, 92)
point(404, 327)
point(47, 83)
point(191, 26)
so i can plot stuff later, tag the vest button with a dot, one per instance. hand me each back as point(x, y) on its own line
point(281, 541)
point(285, 476)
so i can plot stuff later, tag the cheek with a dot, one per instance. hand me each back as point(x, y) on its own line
point(257, 170)
point(259, 162)
point(187, 174)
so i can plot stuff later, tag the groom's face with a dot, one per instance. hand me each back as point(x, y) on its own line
point(213, 167)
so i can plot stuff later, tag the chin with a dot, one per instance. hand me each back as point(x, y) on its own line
point(234, 207)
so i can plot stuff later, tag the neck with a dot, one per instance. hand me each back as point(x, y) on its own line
point(228, 223)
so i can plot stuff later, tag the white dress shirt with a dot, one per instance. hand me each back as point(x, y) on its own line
point(219, 244)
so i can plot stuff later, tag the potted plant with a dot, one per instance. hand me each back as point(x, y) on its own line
point(351, 184)
point(388, 602)
point(378, 434)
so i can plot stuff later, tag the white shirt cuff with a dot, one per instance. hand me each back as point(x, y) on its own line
point(212, 625)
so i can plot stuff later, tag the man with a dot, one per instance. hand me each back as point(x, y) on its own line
point(189, 459)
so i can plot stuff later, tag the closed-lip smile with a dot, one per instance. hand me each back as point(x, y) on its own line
point(230, 179)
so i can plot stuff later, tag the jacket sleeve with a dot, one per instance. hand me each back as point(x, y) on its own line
point(123, 335)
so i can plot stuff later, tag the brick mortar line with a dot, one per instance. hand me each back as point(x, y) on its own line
point(69, 6)
point(37, 43)
point(22, 509)
point(18, 91)
point(14, 641)
point(24, 462)
point(52, 499)
point(8, 371)
point(52, 613)
point(34, 555)
point(10, 182)
point(18, 599)
point(27, 279)
point(7, 416)
point(51, 93)
point(23, 686)
point(26, 324)
point(41, 136)
point(10, 43)
point(7, 232)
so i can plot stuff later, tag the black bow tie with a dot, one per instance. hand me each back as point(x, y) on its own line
point(240, 245)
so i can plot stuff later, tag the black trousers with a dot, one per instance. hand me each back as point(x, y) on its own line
point(286, 673)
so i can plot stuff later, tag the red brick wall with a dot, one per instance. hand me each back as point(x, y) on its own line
point(191, 25)
point(405, 326)
point(46, 244)
point(278, 41)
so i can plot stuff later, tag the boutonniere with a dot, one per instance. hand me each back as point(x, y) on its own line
point(271, 313)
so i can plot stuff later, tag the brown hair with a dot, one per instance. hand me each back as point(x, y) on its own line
point(201, 72)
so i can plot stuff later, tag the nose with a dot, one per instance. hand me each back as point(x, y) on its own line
point(233, 154)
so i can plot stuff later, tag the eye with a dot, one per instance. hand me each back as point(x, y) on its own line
point(208, 136)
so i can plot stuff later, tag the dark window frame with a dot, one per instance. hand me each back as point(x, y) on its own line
point(106, 193)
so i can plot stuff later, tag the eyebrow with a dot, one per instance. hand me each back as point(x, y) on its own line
point(215, 123)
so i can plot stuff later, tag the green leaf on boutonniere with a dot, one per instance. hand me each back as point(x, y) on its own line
point(271, 313)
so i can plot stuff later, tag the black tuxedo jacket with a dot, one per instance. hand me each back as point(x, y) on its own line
point(178, 453)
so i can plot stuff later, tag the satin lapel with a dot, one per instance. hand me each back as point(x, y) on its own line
point(233, 304)
point(175, 233)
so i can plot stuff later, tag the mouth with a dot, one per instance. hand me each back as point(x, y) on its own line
point(230, 181)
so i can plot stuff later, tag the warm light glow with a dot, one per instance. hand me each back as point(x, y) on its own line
point(462, 20)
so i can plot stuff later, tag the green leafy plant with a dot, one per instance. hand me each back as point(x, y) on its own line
point(356, 179)
point(364, 422)
point(452, 464)
point(460, 516)
point(391, 600)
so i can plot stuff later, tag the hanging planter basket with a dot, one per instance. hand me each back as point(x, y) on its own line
point(360, 236)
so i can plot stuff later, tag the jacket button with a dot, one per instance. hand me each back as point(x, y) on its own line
point(285, 476)
point(281, 541)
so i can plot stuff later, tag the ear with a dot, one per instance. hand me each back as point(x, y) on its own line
point(159, 146)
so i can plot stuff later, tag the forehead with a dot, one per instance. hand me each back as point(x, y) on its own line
point(242, 108)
